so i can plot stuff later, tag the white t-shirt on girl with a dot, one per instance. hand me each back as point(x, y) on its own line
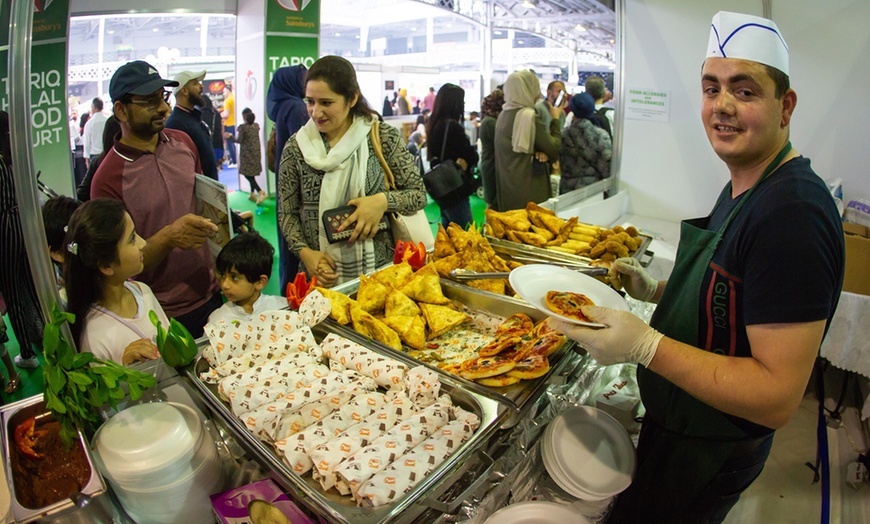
point(107, 335)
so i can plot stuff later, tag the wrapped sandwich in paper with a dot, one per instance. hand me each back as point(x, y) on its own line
point(252, 396)
point(294, 421)
point(424, 386)
point(258, 419)
point(330, 454)
point(387, 372)
point(283, 367)
point(408, 470)
point(295, 448)
point(350, 474)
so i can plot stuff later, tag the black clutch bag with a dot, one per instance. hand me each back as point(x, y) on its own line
point(333, 218)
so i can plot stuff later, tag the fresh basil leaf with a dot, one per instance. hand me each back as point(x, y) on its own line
point(135, 392)
point(82, 359)
point(110, 381)
point(80, 378)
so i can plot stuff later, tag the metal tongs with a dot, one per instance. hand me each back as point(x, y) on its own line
point(462, 275)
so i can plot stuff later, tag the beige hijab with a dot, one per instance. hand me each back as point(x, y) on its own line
point(521, 90)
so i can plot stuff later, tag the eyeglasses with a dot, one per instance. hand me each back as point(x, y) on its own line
point(152, 102)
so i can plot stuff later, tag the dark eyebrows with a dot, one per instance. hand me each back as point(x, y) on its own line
point(742, 77)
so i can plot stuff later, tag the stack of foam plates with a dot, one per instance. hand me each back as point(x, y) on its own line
point(588, 454)
point(536, 512)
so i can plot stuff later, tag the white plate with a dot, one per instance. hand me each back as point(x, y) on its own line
point(557, 472)
point(590, 452)
point(533, 281)
point(536, 512)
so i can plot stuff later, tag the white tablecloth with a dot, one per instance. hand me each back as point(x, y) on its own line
point(847, 345)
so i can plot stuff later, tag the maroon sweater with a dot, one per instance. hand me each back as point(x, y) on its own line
point(157, 189)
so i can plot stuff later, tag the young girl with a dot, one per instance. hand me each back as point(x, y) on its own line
point(103, 252)
point(250, 164)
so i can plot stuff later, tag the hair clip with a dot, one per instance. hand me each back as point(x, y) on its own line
point(66, 229)
point(73, 248)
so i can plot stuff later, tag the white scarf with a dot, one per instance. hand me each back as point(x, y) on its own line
point(344, 179)
point(521, 90)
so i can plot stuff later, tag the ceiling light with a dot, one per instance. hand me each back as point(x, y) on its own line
point(196, 28)
point(612, 41)
point(110, 31)
point(156, 29)
point(520, 42)
point(530, 4)
point(579, 28)
point(356, 36)
point(496, 32)
point(413, 29)
point(337, 34)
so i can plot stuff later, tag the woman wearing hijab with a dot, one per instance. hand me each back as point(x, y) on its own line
point(444, 131)
point(402, 104)
point(330, 163)
point(519, 136)
point(586, 148)
point(490, 108)
point(285, 106)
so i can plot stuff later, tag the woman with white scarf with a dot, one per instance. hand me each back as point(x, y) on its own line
point(520, 135)
point(330, 163)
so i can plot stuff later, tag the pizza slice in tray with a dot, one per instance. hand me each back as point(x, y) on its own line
point(499, 381)
point(484, 367)
point(531, 367)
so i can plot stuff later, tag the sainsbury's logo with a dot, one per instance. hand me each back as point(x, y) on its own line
point(293, 5)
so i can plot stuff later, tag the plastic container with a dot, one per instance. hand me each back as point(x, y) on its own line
point(161, 463)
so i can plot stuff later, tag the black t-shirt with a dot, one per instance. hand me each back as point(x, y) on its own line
point(781, 259)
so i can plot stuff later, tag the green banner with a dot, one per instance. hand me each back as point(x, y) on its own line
point(292, 38)
point(48, 87)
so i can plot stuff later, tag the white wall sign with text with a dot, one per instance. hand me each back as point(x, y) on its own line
point(648, 104)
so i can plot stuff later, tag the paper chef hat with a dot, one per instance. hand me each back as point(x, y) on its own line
point(735, 35)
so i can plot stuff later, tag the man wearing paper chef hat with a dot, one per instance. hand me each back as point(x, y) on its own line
point(730, 348)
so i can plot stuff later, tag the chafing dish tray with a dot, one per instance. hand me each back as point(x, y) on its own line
point(516, 397)
point(337, 508)
point(531, 254)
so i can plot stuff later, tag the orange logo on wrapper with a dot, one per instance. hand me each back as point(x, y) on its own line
point(374, 464)
point(323, 466)
point(405, 427)
point(390, 481)
point(237, 336)
point(220, 346)
point(370, 401)
point(272, 409)
point(429, 447)
point(376, 373)
point(395, 380)
point(365, 432)
point(356, 417)
point(315, 413)
point(390, 445)
point(273, 337)
point(344, 448)
point(410, 463)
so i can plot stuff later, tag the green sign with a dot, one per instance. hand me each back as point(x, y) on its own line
point(292, 31)
point(48, 87)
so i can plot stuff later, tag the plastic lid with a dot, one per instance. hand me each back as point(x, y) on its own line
point(146, 437)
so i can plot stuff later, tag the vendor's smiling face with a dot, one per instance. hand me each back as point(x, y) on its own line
point(744, 120)
point(329, 110)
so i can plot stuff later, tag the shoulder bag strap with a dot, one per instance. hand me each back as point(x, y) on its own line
point(444, 143)
point(375, 135)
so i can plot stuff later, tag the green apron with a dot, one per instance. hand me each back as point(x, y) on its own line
point(712, 436)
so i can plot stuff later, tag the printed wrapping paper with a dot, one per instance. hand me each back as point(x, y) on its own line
point(350, 474)
point(246, 399)
point(233, 339)
point(291, 422)
point(285, 367)
point(314, 308)
point(408, 470)
point(295, 448)
point(241, 363)
point(258, 419)
point(424, 386)
point(387, 372)
point(327, 456)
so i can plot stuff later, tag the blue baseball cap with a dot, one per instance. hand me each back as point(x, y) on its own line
point(136, 78)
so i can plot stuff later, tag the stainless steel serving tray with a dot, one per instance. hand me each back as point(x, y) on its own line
point(92, 494)
point(516, 397)
point(342, 509)
point(531, 254)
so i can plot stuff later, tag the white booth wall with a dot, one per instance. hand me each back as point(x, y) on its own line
point(669, 169)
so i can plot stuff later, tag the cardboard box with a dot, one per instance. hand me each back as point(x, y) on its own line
point(231, 507)
point(857, 239)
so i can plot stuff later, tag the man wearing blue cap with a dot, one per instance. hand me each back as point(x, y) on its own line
point(753, 290)
point(152, 170)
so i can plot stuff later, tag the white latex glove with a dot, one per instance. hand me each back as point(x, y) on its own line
point(636, 280)
point(626, 339)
